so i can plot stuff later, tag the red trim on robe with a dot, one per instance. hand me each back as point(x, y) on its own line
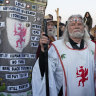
point(63, 69)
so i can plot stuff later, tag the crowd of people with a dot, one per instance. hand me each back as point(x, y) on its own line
point(87, 21)
point(71, 59)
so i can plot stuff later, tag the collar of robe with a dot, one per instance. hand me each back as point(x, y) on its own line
point(74, 44)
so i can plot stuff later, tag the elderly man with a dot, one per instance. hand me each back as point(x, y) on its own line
point(71, 63)
point(50, 30)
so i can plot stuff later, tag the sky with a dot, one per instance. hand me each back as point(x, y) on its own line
point(71, 7)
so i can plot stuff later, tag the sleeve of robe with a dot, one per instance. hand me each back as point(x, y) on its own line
point(55, 76)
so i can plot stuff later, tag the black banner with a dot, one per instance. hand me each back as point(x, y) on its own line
point(20, 28)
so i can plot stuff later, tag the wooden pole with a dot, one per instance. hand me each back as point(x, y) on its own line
point(57, 13)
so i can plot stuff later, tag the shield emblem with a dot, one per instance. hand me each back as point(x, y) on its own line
point(18, 33)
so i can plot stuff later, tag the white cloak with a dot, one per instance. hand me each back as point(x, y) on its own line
point(78, 66)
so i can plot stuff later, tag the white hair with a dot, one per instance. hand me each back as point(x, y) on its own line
point(86, 36)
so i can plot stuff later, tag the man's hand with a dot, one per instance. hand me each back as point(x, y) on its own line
point(43, 40)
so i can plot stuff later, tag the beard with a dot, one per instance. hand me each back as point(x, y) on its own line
point(50, 32)
point(77, 34)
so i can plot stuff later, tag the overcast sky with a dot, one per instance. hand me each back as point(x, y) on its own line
point(69, 7)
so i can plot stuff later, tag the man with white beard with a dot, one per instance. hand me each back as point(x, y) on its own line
point(70, 63)
point(50, 32)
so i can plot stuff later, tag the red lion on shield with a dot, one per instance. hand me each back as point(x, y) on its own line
point(83, 75)
point(21, 32)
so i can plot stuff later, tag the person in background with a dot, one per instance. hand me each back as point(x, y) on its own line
point(50, 16)
point(93, 34)
point(61, 30)
point(70, 63)
point(50, 31)
point(61, 27)
point(88, 20)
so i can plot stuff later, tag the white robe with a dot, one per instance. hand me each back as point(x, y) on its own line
point(73, 62)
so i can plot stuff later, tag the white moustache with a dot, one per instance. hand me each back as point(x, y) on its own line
point(76, 30)
point(50, 30)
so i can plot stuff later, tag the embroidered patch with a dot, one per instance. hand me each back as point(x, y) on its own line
point(35, 38)
point(19, 4)
point(15, 68)
point(41, 9)
point(16, 76)
point(92, 52)
point(36, 26)
point(2, 24)
point(17, 62)
point(17, 10)
point(19, 33)
point(18, 87)
point(82, 74)
point(18, 16)
point(35, 32)
point(34, 44)
point(34, 7)
point(17, 55)
point(63, 56)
